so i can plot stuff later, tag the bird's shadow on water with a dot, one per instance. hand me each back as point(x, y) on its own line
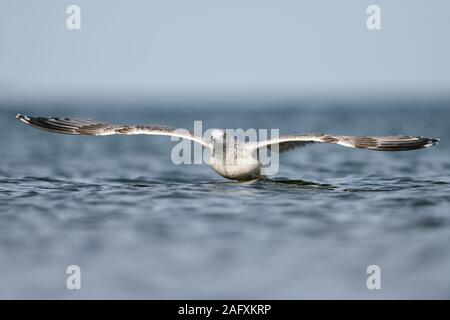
point(349, 185)
point(268, 183)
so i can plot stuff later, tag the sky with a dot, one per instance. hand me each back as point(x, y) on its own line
point(218, 47)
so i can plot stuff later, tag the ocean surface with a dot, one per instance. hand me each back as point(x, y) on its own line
point(140, 226)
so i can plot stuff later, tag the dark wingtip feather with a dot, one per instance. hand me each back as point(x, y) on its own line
point(432, 142)
point(46, 124)
point(407, 144)
point(23, 118)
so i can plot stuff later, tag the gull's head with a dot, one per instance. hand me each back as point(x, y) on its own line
point(218, 136)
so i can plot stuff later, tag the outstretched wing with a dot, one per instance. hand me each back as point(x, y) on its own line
point(76, 126)
point(387, 143)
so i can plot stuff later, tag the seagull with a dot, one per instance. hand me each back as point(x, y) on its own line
point(246, 165)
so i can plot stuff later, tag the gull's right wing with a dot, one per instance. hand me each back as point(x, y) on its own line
point(383, 143)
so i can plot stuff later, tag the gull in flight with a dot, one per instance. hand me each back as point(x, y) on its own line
point(249, 166)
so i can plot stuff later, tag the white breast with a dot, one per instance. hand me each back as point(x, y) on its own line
point(236, 163)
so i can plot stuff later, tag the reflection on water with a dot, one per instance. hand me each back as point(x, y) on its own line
point(300, 183)
point(141, 227)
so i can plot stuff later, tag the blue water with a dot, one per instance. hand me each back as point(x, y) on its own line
point(141, 227)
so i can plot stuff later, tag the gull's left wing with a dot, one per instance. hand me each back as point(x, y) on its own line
point(76, 126)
